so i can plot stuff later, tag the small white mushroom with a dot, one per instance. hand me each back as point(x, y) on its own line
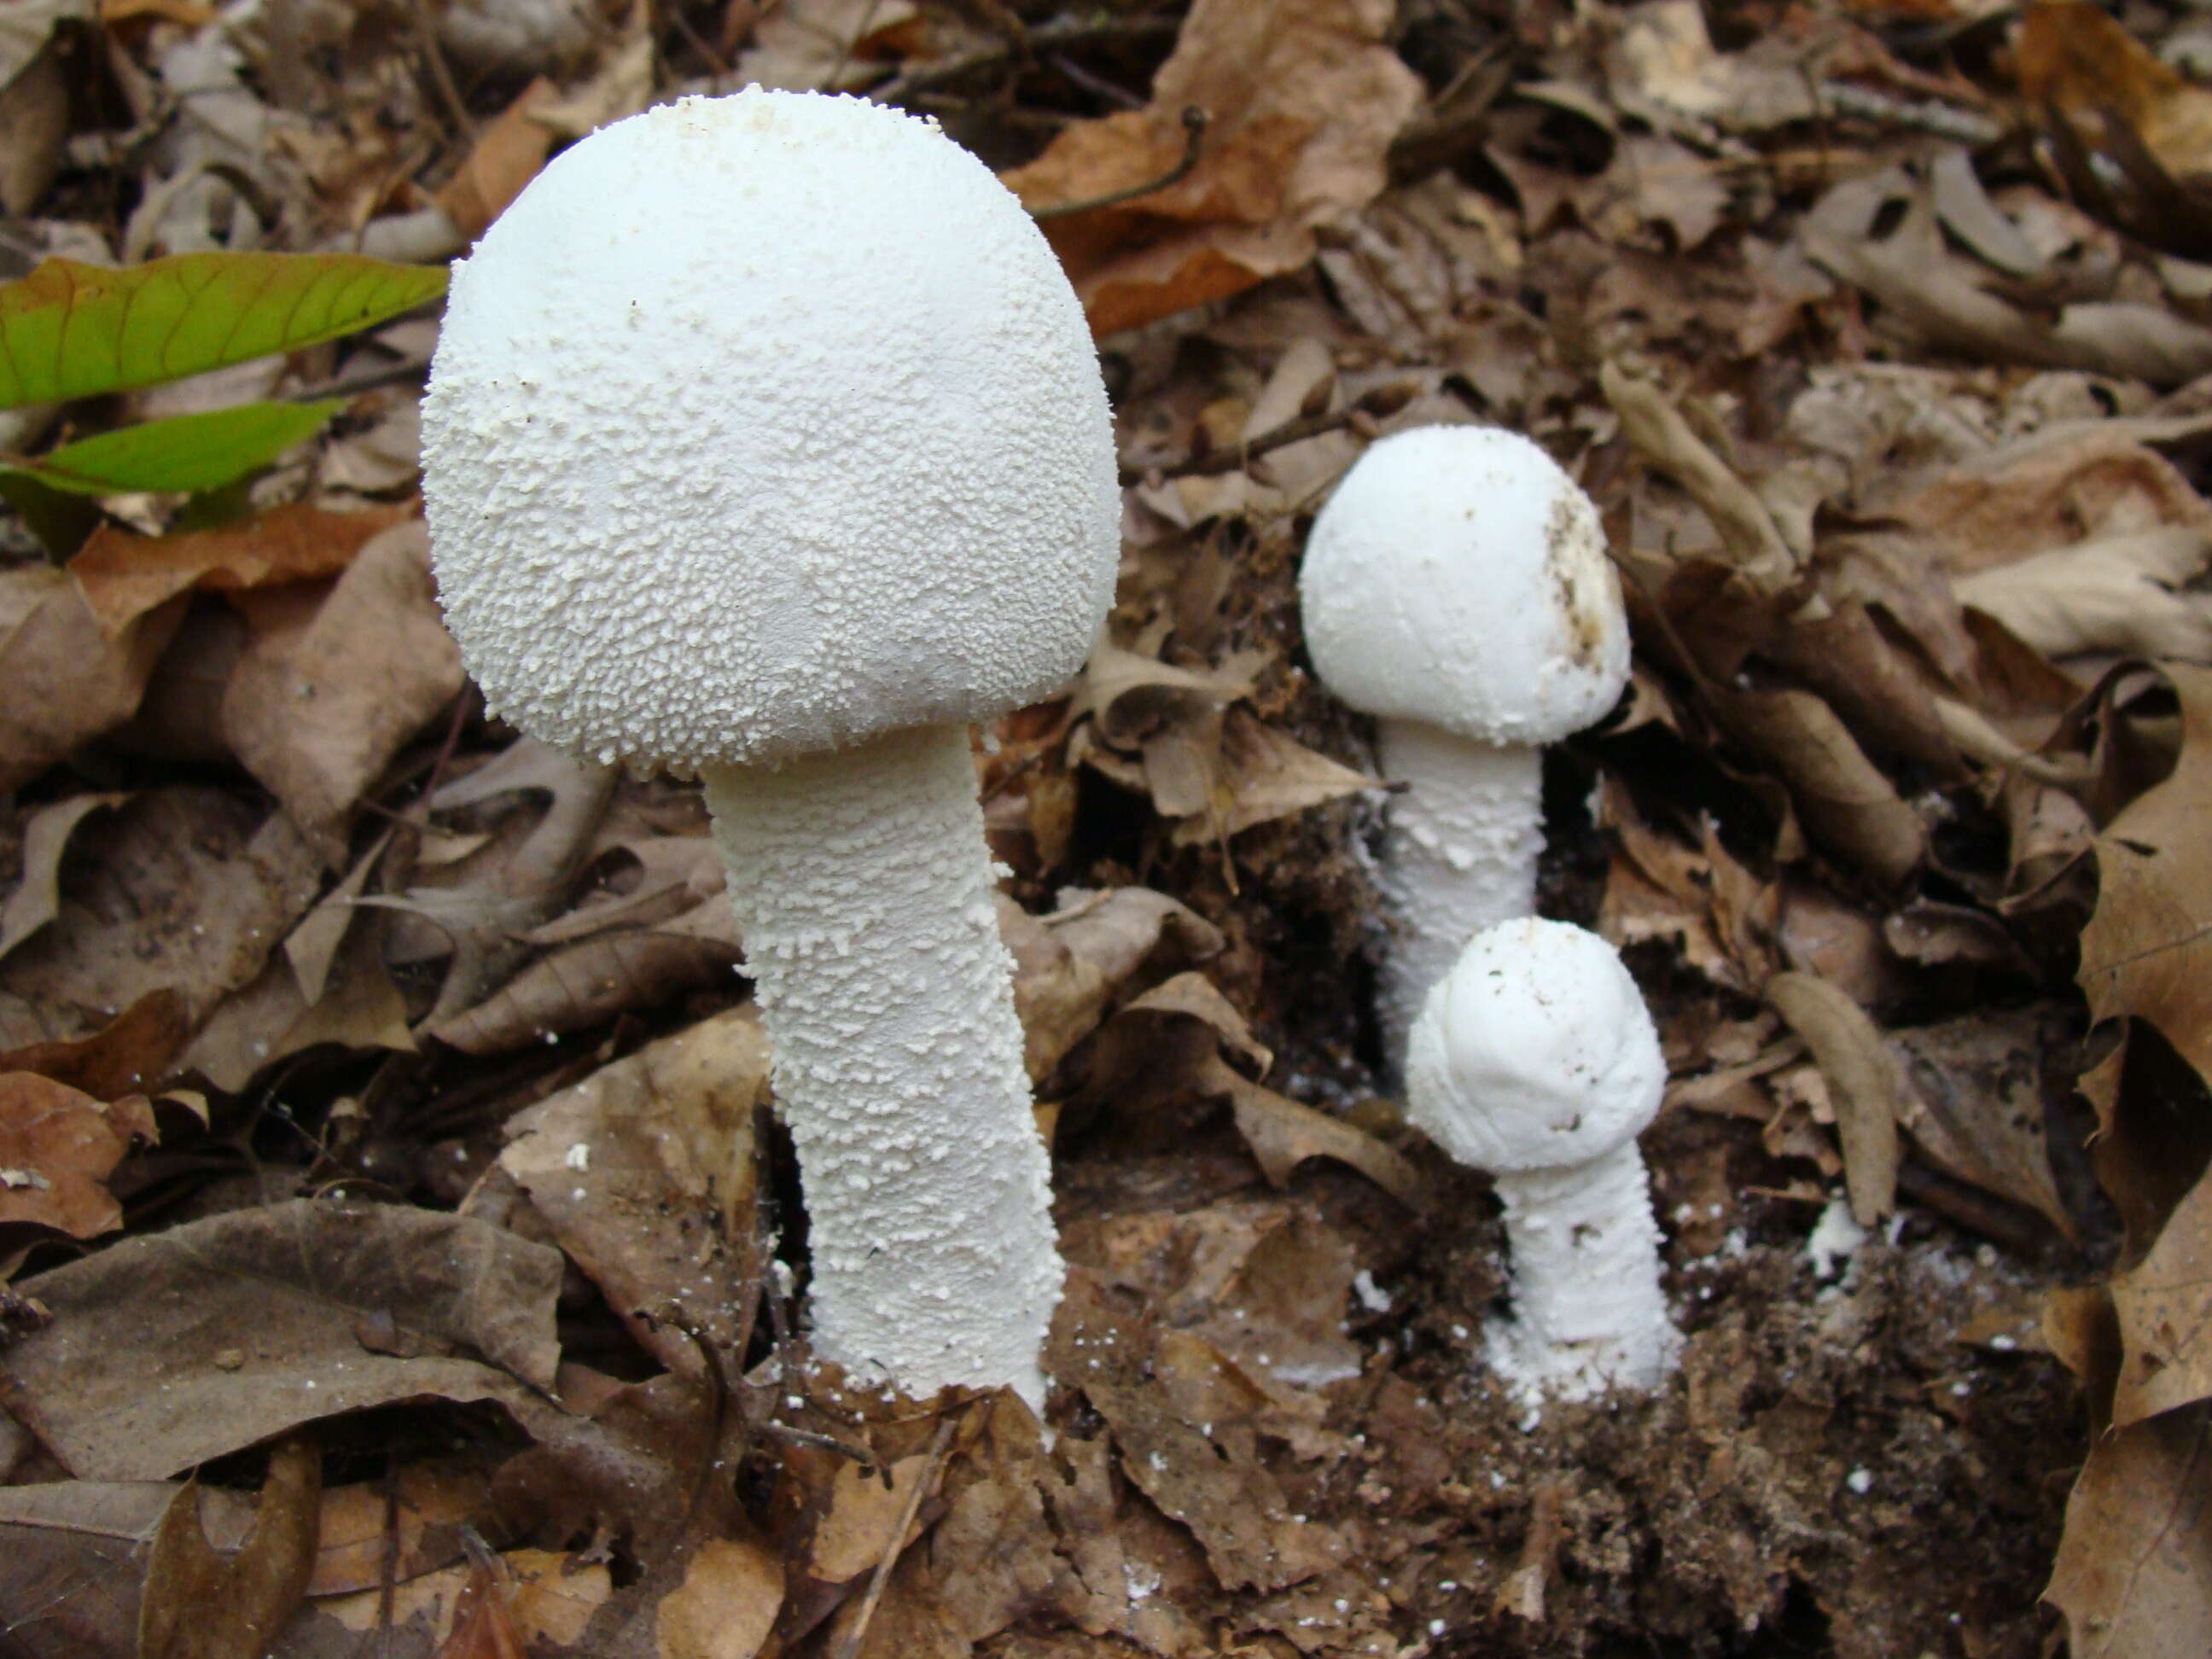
point(1456, 587)
point(765, 440)
point(1535, 1058)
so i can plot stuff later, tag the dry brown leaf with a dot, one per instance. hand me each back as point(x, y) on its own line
point(333, 683)
point(2130, 1574)
point(1977, 1105)
point(185, 890)
point(69, 679)
point(1262, 773)
point(2147, 951)
point(58, 1147)
point(1304, 100)
point(1842, 800)
point(548, 1598)
point(123, 576)
point(131, 1054)
point(731, 1591)
point(506, 155)
point(405, 1525)
point(168, 1350)
point(1865, 1086)
point(645, 1173)
point(585, 984)
point(266, 1022)
point(1070, 966)
point(2074, 58)
point(37, 899)
point(2119, 593)
point(200, 1604)
point(2164, 1305)
point(823, 46)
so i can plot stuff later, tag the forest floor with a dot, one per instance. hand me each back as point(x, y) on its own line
point(385, 1143)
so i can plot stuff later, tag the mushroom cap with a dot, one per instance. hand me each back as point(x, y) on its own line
point(1458, 576)
point(1536, 1052)
point(762, 425)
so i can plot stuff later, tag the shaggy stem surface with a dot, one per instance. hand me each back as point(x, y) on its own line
point(862, 883)
point(1459, 854)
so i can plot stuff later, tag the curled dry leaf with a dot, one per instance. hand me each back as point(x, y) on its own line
point(37, 899)
point(2123, 594)
point(69, 679)
point(173, 1349)
point(646, 1173)
point(1976, 1106)
point(2164, 1305)
point(332, 683)
point(1070, 966)
point(1303, 100)
point(2129, 1572)
point(183, 890)
point(1865, 1086)
point(58, 1147)
point(200, 1604)
point(123, 576)
point(2147, 951)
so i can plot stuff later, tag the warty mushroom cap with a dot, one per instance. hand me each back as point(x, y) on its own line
point(762, 425)
point(1536, 1052)
point(1458, 577)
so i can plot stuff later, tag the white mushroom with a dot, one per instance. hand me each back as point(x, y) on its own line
point(765, 440)
point(1456, 587)
point(1535, 1058)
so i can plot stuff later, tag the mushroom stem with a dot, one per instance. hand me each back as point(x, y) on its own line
point(1587, 1311)
point(1461, 853)
point(863, 888)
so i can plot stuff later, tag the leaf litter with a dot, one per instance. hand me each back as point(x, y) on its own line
point(378, 1098)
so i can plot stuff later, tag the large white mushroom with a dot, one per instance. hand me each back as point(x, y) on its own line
point(765, 440)
point(1456, 587)
point(1535, 1058)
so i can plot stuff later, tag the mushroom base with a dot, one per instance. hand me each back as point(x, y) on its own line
point(862, 884)
point(1588, 1314)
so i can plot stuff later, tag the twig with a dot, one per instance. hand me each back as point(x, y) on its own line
point(1044, 37)
point(852, 1639)
point(1231, 458)
point(441, 73)
point(1193, 134)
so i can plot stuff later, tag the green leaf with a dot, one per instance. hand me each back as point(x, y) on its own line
point(188, 452)
point(78, 331)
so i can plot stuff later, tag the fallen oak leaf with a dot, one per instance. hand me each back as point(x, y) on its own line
point(37, 899)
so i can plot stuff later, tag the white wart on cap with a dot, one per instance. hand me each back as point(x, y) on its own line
point(762, 425)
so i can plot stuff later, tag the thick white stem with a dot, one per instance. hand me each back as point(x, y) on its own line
point(1459, 853)
point(1587, 1311)
point(863, 888)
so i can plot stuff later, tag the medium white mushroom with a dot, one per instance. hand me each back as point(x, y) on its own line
point(1535, 1058)
point(1456, 587)
point(765, 440)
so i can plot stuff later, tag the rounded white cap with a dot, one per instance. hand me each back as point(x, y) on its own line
point(1458, 576)
point(762, 425)
point(1536, 1052)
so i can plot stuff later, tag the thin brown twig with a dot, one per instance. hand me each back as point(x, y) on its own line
point(1231, 457)
point(441, 73)
point(1194, 120)
point(1043, 37)
point(852, 1639)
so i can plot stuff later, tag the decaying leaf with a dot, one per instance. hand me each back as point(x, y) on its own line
point(202, 1605)
point(1303, 102)
point(69, 679)
point(58, 1145)
point(646, 1173)
point(171, 1349)
point(332, 683)
point(2147, 952)
point(1865, 1086)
